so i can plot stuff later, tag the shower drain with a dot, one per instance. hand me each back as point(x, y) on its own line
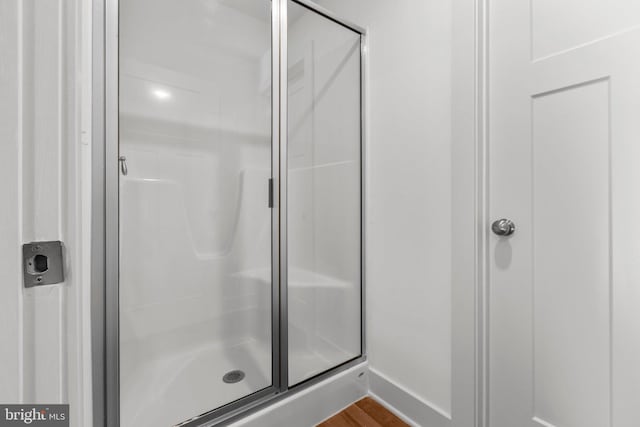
point(233, 377)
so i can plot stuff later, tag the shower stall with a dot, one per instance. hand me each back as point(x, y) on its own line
point(234, 205)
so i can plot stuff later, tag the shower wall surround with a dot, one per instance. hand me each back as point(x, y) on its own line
point(238, 267)
point(195, 226)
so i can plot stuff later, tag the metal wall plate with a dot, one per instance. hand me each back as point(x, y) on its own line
point(42, 263)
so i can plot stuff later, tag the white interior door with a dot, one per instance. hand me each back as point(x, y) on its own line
point(564, 165)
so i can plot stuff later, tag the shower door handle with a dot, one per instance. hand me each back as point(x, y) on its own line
point(123, 165)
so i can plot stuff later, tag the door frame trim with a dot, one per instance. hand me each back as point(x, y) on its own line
point(470, 286)
point(98, 216)
point(112, 217)
point(283, 86)
point(481, 70)
point(105, 221)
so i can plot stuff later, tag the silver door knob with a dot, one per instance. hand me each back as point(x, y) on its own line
point(503, 227)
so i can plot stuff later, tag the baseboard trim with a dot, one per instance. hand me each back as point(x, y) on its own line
point(315, 404)
point(409, 407)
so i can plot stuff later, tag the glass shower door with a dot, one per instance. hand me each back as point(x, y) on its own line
point(195, 289)
point(324, 212)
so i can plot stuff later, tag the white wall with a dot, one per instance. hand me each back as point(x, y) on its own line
point(409, 197)
point(421, 226)
point(42, 357)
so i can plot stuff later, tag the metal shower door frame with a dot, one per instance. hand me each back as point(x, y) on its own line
point(105, 220)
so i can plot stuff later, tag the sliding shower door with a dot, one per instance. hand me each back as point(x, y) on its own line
point(324, 193)
point(195, 147)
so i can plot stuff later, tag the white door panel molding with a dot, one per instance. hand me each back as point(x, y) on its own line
point(562, 313)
